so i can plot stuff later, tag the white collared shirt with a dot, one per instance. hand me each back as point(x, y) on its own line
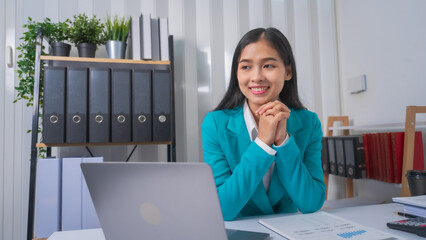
point(252, 131)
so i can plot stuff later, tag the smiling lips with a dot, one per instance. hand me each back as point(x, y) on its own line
point(258, 90)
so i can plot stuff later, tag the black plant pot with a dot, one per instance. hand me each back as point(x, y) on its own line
point(60, 49)
point(86, 50)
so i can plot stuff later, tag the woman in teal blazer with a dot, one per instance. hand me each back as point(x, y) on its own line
point(280, 170)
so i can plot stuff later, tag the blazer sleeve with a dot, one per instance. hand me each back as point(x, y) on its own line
point(303, 177)
point(235, 187)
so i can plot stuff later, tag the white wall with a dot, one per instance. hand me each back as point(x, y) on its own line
point(384, 40)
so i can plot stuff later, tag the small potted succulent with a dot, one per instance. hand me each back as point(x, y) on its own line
point(116, 33)
point(60, 34)
point(86, 33)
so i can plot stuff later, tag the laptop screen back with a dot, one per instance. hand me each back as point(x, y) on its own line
point(155, 200)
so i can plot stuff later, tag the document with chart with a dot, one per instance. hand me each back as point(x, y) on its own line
point(322, 226)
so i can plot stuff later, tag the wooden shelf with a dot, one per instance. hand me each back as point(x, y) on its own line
point(329, 132)
point(42, 145)
point(378, 127)
point(408, 154)
point(102, 60)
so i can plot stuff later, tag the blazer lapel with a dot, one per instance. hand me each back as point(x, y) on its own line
point(276, 189)
point(238, 140)
point(261, 200)
point(293, 123)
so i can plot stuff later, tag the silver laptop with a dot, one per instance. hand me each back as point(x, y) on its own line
point(158, 201)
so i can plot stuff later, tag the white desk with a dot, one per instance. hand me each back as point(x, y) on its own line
point(375, 216)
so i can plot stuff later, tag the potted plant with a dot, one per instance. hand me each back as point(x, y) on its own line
point(116, 33)
point(26, 64)
point(26, 59)
point(58, 36)
point(86, 33)
point(55, 32)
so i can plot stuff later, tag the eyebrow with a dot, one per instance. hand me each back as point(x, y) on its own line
point(263, 60)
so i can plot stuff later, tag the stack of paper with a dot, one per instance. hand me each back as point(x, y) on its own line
point(322, 226)
point(413, 205)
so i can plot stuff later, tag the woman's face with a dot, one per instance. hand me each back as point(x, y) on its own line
point(261, 73)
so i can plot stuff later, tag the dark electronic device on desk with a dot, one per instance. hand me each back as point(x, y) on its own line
point(413, 224)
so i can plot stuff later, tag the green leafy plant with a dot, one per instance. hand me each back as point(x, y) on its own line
point(26, 59)
point(60, 31)
point(86, 30)
point(55, 32)
point(117, 29)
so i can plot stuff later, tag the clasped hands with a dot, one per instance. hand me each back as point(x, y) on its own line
point(273, 122)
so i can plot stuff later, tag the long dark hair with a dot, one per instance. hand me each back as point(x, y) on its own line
point(289, 94)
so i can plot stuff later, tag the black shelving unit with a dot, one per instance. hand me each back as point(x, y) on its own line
point(72, 62)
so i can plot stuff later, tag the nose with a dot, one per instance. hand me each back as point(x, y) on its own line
point(257, 75)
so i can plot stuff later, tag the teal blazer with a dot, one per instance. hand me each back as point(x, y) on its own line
point(239, 165)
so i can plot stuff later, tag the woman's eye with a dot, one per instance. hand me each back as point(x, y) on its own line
point(268, 66)
point(245, 67)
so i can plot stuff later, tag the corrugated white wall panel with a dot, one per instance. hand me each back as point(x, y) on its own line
point(204, 68)
point(9, 137)
point(303, 50)
point(85, 6)
point(162, 8)
point(231, 35)
point(68, 8)
point(2, 108)
point(328, 60)
point(51, 10)
point(217, 52)
point(101, 8)
point(132, 8)
point(267, 15)
point(243, 17)
point(291, 25)
point(176, 28)
point(148, 7)
point(35, 9)
point(315, 79)
point(256, 13)
point(117, 8)
point(192, 134)
point(279, 16)
point(20, 229)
